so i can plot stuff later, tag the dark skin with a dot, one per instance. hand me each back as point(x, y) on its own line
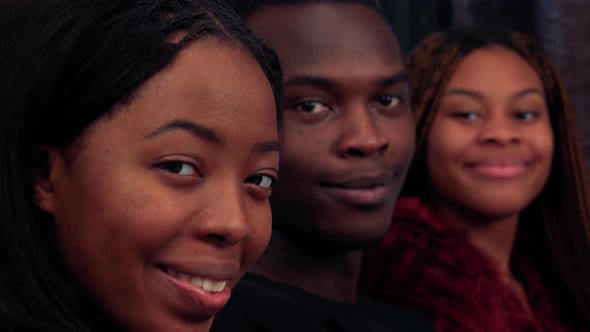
point(168, 187)
point(348, 137)
point(500, 152)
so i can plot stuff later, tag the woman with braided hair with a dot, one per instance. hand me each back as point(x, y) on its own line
point(492, 230)
point(139, 144)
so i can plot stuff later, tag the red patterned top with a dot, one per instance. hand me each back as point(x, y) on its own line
point(431, 266)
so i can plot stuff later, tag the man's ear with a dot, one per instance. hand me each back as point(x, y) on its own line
point(47, 169)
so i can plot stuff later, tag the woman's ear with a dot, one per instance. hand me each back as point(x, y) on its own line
point(47, 168)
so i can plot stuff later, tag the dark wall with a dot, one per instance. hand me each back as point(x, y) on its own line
point(412, 20)
point(574, 60)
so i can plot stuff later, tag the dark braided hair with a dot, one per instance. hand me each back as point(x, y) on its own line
point(557, 223)
point(65, 64)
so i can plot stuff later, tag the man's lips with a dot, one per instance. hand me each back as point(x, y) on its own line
point(361, 191)
point(362, 182)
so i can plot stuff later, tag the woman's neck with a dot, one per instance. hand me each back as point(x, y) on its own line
point(493, 236)
point(330, 276)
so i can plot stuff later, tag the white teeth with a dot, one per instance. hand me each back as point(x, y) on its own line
point(197, 281)
point(213, 286)
point(221, 285)
point(209, 285)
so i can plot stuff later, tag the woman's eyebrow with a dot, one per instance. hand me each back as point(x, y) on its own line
point(464, 92)
point(528, 91)
point(196, 129)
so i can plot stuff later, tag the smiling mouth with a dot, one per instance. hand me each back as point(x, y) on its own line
point(359, 183)
point(363, 191)
point(209, 285)
point(499, 170)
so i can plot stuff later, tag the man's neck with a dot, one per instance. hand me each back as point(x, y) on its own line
point(332, 277)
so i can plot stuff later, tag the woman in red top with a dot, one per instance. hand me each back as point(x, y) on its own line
point(492, 231)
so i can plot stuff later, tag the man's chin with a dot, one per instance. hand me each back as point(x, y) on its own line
point(322, 243)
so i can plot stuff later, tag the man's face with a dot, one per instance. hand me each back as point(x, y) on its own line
point(348, 133)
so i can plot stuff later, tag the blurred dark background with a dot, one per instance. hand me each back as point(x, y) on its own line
point(561, 26)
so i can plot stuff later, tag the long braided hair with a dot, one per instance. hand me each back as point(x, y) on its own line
point(557, 223)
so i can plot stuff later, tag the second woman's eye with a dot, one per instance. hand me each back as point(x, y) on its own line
point(526, 115)
point(466, 115)
point(178, 167)
point(262, 180)
point(312, 106)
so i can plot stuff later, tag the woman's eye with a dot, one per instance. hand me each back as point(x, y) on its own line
point(526, 115)
point(178, 167)
point(388, 101)
point(262, 180)
point(312, 106)
point(465, 115)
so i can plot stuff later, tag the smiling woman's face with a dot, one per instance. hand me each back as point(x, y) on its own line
point(165, 204)
point(490, 147)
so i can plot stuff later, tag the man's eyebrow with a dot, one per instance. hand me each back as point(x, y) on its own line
point(196, 129)
point(317, 81)
point(396, 78)
point(270, 146)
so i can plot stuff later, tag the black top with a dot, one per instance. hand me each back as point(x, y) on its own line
point(259, 304)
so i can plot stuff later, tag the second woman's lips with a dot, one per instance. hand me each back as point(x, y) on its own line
point(500, 172)
point(362, 191)
point(501, 169)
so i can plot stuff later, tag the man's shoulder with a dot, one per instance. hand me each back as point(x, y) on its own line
point(259, 304)
point(395, 317)
point(256, 296)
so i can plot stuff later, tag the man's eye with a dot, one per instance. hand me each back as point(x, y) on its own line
point(178, 167)
point(312, 106)
point(262, 180)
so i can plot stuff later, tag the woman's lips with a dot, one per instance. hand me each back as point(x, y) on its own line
point(499, 171)
point(198, 288)
point(200, 296)
point(210, 285)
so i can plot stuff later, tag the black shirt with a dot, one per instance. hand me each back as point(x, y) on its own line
point(259, 304)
